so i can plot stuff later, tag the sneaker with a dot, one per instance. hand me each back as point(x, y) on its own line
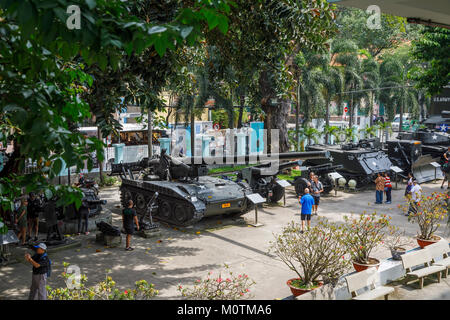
point(388, 202)
point(129, 249)
point(86, 233)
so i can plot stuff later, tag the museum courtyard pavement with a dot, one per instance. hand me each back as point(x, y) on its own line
point(179, 256)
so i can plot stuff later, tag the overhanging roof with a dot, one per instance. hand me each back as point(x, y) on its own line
point(429, 12)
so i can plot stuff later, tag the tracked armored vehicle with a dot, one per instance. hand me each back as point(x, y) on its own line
point(186, 193)
point(360, 161)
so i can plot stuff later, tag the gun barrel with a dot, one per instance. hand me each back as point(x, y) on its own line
point(234, 159)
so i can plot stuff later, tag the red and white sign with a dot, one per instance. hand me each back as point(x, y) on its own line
point(346, 109)
point(216, 126)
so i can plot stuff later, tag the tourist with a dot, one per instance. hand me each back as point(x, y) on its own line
point(416, 195)
point(33, 209)
point(129, 218)
point(83, 214)
point(387, 187)
point(409, 185)
point(41, 265)
point(379, 182)
point(21, 220)
point(306, 203)
point(317, 189)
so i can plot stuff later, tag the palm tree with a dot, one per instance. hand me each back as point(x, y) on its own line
point(331, 131)
point(311, 134)
point(403, 96)
point(345, 56)
point(332, 83)
point(369, 131)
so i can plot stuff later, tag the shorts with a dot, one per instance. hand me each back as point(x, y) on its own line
point(447, 176)
point(316, 201)
point(305, 217)
point(129, 228)
point(22, 223)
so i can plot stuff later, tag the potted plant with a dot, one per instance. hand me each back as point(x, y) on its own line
point(362, 235)
point(315, 256)
point(396, 241)
point(428, 214)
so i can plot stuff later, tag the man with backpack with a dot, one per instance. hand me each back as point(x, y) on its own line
point(41, 270)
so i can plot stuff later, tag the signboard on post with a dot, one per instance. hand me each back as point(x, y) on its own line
point(435, 165)
point(396, 170)
point(335, 176)
point(256, 199)
point(284, 184)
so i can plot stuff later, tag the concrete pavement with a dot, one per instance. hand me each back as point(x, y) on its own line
point(179, 257)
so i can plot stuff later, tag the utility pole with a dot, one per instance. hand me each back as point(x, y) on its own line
point(150, 133)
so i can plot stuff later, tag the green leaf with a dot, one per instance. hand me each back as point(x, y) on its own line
point(57, 166)
point(91, 4)
point(160, 45)
point(48, 194)
point(186, 31)
point(156, 29)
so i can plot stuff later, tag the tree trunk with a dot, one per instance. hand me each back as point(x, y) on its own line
point(100, 163)
point(297, 110)
point(327, 117)
point(350, 109)
point(371, 110)
point(192, 132)
point(150, 133)
point(276, 119)
point(241, 111)
point(401, 115)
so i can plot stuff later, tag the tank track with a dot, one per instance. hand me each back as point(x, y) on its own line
point(172, 210)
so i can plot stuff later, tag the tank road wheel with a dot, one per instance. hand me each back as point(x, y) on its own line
point(126, 196)
point(277, 193)
point(165, 211)
point(140, 202)
point(300, 184)
point(328, 184)
point(181, 213)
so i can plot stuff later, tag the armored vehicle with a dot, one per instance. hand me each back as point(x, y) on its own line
point(407, 155)
point(433, 143)
point(360, 161)
point(186, 193)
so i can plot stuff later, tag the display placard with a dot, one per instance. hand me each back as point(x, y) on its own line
point(335, 175)
point(435, 164)
point(396, 169)
point(255, 198)
point(283, 183)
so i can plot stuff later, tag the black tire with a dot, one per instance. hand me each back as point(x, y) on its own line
point(126, 196)
point(140, 202)
point(300, 184)
point(277, 193)
point(181, 213)
point(165, 210)
point(328, 184)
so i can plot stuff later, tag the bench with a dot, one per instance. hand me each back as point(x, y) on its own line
point(440, 249)
point(363, 279)
point(420, 258)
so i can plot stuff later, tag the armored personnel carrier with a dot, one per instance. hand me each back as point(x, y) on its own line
point(186, 193)
point(360, 161)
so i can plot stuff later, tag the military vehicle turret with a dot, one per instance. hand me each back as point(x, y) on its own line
point(360, 161)
point(186, 193)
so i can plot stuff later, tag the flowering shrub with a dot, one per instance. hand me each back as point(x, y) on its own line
point(229, 287)
point(395, 238)
point(363, 234)
point(105, 290)
point(314, 255)
point(427, 213)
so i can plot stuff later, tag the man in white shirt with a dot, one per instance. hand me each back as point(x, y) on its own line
point(416, 194)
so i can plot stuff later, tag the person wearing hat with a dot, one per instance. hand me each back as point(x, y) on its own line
point(41, 264)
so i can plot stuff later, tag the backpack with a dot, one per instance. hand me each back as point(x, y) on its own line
point(49, 269)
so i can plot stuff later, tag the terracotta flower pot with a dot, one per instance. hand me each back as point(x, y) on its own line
point(361, 266)
point(423, 243)
point(297, 291)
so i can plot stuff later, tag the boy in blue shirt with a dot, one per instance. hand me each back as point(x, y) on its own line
point(306, 202)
